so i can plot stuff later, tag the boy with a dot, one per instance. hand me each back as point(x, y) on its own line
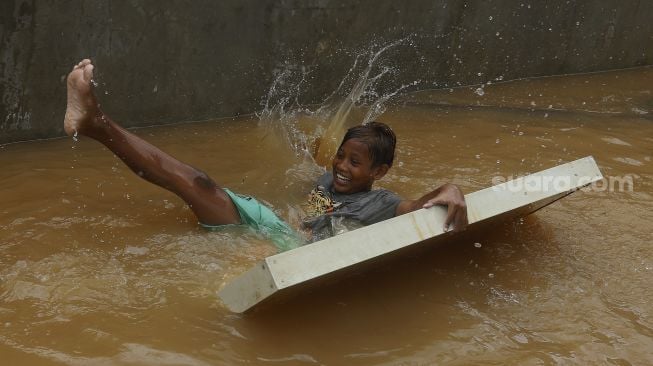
point(342, 198)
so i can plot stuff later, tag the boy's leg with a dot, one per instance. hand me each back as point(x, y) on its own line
point(209, 202)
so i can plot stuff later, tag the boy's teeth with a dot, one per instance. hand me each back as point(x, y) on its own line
point(341, 177)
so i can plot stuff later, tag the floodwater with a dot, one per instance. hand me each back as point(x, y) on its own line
point(98, 267)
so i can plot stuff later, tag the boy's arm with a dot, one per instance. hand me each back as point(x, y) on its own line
point(448, 195)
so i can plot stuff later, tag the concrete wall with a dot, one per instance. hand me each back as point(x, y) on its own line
point(162, 61)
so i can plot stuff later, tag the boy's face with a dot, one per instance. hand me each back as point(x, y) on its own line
point(352, 168)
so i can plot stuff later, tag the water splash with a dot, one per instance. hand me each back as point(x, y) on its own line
point(360, 97)
point(282, 109)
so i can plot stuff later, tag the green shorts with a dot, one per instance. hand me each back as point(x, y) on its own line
point(263, 220)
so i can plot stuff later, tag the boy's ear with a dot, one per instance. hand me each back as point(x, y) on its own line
point(380, 171)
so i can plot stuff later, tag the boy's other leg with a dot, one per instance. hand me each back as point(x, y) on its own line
point(209, 202)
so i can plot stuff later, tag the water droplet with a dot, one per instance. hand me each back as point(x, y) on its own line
point(75, 136)
point(478, 245)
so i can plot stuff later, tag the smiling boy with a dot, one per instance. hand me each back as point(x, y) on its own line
point(343, 199)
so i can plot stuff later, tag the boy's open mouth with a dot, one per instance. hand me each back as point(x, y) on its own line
point(342, 179)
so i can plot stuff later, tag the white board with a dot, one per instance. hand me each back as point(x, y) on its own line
point(279, 273)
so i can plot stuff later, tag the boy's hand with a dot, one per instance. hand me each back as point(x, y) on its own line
point(450, 195)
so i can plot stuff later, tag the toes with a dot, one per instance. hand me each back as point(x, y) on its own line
point(88, 72)
point(82, 63)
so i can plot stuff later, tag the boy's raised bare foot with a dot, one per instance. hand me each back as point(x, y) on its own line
point(82, 109)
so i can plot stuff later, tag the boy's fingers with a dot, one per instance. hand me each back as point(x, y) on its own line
point(461, 220)
point(456, 213)
point(451, 214)
point(433, 202)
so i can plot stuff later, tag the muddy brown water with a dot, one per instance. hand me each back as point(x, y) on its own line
point(99, 267)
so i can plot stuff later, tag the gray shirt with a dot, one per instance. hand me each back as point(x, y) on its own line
point(348, 211)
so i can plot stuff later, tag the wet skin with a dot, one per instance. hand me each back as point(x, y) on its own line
point(353, 172)
point(352, 168)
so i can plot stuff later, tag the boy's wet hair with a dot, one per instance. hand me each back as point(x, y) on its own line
point(379, 138)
